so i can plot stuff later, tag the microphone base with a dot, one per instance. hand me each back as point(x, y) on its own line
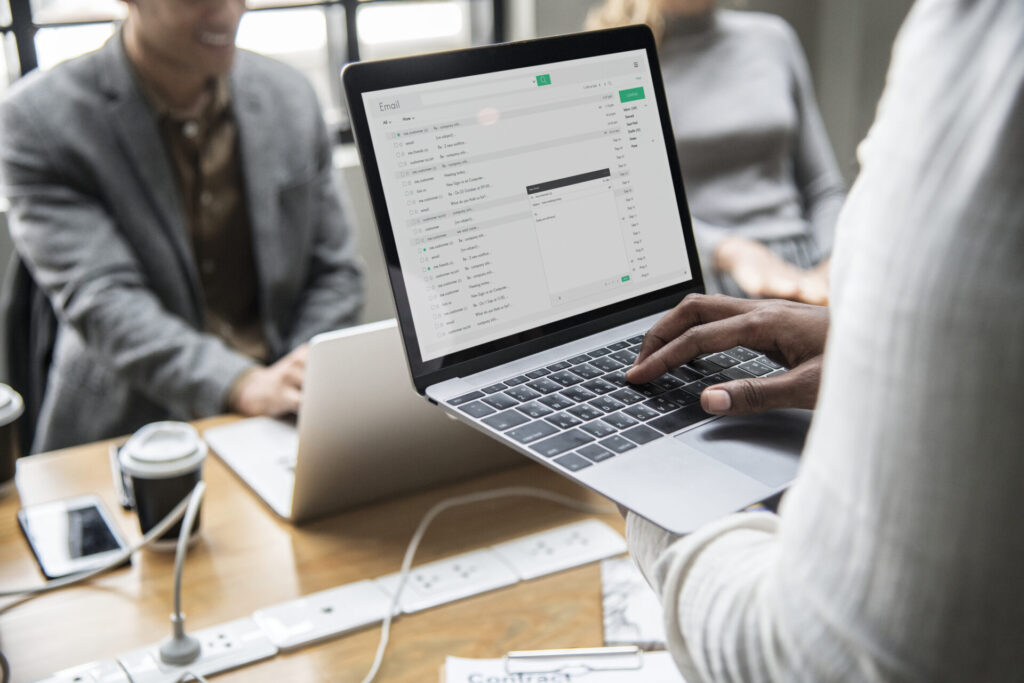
point(180, 651)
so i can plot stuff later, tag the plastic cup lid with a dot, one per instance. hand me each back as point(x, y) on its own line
point(163, 449)
point(10, 405)
point(164, 441)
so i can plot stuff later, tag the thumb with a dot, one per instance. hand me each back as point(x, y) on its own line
point(797, 388)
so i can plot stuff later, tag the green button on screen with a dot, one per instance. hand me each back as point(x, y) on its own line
point(625, 278)
point(544, 79)
point(631, 94)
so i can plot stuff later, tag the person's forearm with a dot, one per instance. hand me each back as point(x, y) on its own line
point(160, 355)
point(717, 622)
point(232, 402)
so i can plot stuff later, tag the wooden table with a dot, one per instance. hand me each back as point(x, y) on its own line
point(248, 559)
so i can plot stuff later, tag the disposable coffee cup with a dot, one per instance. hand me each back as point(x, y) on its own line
point(163, 462)
point(11, 408)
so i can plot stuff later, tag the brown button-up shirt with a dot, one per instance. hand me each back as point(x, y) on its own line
point(204, 153)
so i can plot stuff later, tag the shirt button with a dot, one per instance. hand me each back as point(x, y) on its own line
point(206, 198)
point(190, 129)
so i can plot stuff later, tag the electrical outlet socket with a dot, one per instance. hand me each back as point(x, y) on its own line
point(561, 548)
point(324, 615)
point(227, 646)
point(451, 579)
point(106, 671)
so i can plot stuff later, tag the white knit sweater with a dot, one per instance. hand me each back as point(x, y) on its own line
point(899, 551)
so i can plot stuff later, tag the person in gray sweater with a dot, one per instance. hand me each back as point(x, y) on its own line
point(761, 179)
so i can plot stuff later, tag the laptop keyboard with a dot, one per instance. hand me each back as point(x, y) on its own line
point(582, 411)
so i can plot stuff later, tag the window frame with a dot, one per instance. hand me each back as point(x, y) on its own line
point(24, 28)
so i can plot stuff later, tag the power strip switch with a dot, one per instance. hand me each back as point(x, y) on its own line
point(561, 548)
point(324, 615)
point(224, 647)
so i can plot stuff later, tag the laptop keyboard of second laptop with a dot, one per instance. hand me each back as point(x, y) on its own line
point(581, 411)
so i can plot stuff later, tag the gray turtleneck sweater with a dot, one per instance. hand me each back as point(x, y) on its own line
point(754, 154)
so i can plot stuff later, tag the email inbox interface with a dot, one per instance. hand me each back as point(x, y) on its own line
point(526, 196)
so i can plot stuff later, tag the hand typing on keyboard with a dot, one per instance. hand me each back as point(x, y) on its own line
point(788, 333)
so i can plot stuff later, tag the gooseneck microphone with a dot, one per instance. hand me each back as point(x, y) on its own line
point(182, 649)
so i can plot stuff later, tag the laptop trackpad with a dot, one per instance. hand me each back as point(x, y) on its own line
point(766, 447)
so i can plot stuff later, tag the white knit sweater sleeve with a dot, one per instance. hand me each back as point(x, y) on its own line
point(897, 555)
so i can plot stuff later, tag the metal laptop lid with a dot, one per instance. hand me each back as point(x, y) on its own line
point(362, 435)
point(525, 194)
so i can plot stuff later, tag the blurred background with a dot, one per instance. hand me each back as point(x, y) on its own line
point(848, 45)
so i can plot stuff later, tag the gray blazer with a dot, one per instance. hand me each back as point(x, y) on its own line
point(95, 214)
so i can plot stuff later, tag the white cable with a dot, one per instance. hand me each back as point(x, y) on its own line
point(156, 532)
point(184, 535)
point(410, 552)
point(182, 649)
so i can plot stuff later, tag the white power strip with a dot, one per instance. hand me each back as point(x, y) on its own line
point(562, 548)
point(106, 671)
point(327, 614)
point(224, 647)
point(301, 622)
point(448, 580)
point(337, 611)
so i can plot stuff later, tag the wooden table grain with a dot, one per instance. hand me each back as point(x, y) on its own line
point(248, 559)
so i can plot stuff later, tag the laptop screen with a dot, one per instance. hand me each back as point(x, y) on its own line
point(526, 196)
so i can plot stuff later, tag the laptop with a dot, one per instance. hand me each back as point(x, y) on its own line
point(534, 224)
point(361, 434)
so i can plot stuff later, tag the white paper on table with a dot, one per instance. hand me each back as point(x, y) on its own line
point(658, 667)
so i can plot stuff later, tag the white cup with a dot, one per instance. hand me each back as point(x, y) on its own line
point(11, 408)
point(164, 462)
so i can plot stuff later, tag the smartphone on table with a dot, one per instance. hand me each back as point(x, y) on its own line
point(71, 536)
